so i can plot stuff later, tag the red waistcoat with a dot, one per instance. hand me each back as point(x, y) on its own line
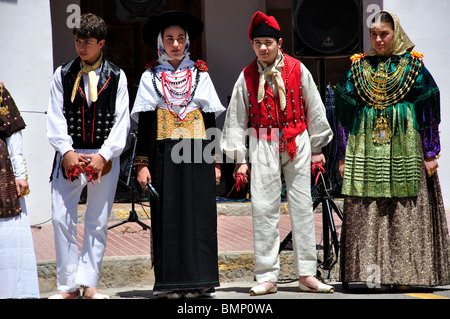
point(267, 119)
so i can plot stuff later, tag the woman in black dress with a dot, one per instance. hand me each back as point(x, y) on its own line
point(176, 105)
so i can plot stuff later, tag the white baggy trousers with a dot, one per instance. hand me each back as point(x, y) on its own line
point(74, 270)
point(267, 164)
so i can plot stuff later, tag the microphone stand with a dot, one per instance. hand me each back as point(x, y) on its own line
point(133, 216)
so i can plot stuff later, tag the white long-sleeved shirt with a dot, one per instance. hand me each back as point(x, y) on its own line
point(233, 139)
point(57, 132)
point(15, 151)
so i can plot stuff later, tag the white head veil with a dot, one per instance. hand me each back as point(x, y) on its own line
point(164, 56)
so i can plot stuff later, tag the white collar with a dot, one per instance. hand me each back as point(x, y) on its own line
point(185, 64)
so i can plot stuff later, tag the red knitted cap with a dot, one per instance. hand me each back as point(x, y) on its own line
point(263, 26)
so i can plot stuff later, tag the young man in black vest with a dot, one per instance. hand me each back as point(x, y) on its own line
point(87, 125)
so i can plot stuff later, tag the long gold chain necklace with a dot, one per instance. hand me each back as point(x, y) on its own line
point(384, 87)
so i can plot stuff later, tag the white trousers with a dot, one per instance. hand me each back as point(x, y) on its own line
point(267, 164)
point(74, 270)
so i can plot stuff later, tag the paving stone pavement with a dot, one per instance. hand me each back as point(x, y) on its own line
point(127, 273)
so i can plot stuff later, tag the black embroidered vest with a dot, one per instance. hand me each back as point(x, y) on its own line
point(90, 126)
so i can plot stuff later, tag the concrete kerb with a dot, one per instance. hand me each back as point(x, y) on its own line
point(137, 270)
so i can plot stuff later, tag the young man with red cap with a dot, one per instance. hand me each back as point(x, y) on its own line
point(276, 96)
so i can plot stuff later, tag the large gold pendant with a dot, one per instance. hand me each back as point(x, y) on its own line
point(382, 133)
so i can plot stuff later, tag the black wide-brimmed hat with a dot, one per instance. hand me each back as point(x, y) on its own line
point(154, 25)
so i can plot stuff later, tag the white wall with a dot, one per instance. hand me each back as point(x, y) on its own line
point(427, 24)
point(26, 67)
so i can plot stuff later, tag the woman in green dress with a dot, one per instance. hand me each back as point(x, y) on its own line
point(395, 230)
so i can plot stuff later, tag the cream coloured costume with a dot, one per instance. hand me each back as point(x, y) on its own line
point(267, 165)
point(18, 269)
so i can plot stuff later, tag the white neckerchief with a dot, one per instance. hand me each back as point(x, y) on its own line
point(272, 71)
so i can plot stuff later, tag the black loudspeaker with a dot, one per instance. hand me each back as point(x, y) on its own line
point(326, 27)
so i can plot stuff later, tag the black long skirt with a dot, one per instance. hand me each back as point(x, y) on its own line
point(184, 219)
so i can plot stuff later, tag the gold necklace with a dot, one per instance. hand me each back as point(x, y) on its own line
point(382, 88)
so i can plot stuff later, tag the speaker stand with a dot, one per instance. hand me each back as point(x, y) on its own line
point(322, 78)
